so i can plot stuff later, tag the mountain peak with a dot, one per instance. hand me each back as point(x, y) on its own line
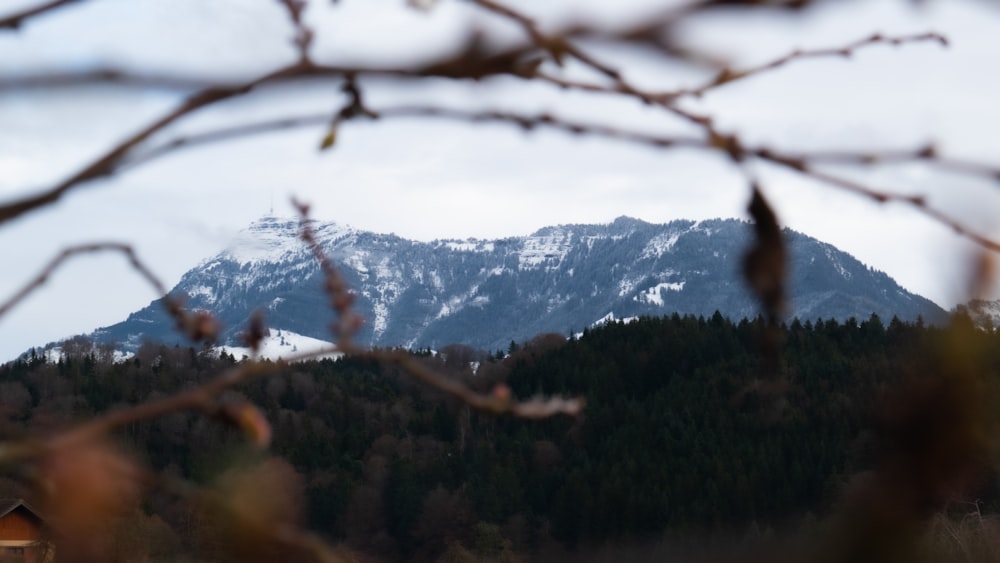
point(277, 239)
point(267, 239)
point(626, 221)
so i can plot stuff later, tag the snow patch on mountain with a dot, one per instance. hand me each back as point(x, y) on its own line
point(384, 270)
point(356, 261)
point(435, 279)
point(207, 294)
point(381, 320)
point(445, 310)
point(610, 318)
point(607, 319)
point(831, 254)
point(266, 240)
point(284, 344)
point(653, 295)
point(56, 354)
point(626, 285)
point(458, 302)
point(328, 233)
point(660, 244)
point(272, 240)
point(548, 246)
point(470, 245)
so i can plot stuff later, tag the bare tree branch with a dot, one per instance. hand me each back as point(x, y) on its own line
point(14, 20)
point(107, 163)
point(470, 63)
point(119, 77)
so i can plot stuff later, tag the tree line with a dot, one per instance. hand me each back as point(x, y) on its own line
point(685, 435)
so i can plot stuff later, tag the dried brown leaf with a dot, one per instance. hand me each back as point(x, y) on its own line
point(85, 487)
point(256, 331)
point(764, 266)
point(248, 418)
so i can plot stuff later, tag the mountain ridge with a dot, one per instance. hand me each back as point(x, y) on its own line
point(488, 292)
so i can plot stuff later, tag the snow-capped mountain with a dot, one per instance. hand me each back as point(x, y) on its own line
point(485, 293)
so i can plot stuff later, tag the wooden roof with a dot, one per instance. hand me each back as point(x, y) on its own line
point(8, 505)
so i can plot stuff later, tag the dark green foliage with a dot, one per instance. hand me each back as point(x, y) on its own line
point(681, 433)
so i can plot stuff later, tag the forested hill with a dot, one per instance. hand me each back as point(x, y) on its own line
point(682, 434)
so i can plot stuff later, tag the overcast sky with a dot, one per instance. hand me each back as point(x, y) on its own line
point(426, 179)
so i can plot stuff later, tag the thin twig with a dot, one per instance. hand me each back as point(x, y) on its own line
point(527, 122)
point(67, 253)
point(918, 202)
point(348, 322)
point(496, 403)
point(303, 33)
point(728, 76)
point(347, 325)
point(927, 154)
point(108, 163)
point(197, 326)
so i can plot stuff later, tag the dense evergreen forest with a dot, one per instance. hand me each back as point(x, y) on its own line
point(684, 434)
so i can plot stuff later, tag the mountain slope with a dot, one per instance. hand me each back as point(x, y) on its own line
point(485, 293)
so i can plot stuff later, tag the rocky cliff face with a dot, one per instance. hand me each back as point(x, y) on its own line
point(485, 293)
